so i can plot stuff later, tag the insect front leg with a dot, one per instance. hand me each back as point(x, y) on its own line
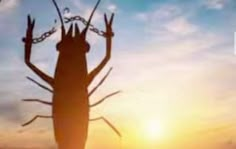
point(28, 40)
point(109, 34)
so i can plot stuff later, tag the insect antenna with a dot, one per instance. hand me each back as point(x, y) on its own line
point(90, 18)
point(60, 16)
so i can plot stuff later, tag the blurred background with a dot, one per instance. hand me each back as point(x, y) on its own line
point(174, 61)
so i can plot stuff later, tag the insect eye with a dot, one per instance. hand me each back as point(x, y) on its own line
point(87, 48)
point(58, 46)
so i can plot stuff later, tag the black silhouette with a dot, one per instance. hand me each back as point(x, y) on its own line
point(70, 103)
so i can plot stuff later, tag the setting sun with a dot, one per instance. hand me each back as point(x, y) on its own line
point(154, 130)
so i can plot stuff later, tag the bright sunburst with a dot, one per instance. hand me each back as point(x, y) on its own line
point(154, 130)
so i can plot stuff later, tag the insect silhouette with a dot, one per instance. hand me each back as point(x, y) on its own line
point(70, 101)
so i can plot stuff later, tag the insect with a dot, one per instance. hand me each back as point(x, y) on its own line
point(70, 101)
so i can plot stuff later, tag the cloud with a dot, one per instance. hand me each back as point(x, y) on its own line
point(164, 12)
point(112, 7)
point(8, 5)
point(216, 4)
point(169, 29)
point(7, 15)
point(85, 10)
point(10, 111)
point(178, 43)
point(174, 66)
point(166, 21)
point(181, 26)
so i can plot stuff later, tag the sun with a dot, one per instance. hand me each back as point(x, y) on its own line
point(154, 130)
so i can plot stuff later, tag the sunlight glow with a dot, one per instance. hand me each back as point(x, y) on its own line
point(154, 130)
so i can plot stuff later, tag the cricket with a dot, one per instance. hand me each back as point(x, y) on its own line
point(69, 86)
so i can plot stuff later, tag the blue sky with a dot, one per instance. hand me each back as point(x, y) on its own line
point(175, 58)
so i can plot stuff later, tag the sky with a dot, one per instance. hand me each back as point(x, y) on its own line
point(173, 60)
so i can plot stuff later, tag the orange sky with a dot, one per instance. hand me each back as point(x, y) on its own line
point(173, 61)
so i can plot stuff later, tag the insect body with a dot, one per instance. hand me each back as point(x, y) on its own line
point(70, 98)
point(70, 103)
